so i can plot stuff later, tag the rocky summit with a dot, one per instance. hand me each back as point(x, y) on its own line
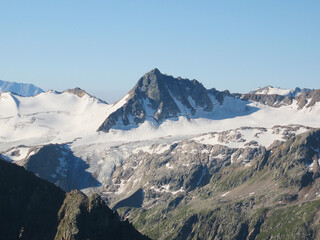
point(156, 97)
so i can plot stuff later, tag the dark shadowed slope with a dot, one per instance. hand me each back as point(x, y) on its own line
point(32, 208)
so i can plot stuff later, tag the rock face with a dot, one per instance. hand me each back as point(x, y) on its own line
point(270, 100)
point(158, 171)
point(28, 205)
point(308, 99)
point(22, 89)
point(77, 91)
point(219, 192)
point(57, 164)
point(304, 99)
point(81, 93)
point(31, 208)
point(296, 162)
point(157, 97)
point(81, 217)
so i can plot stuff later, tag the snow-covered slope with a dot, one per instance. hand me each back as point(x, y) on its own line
point(22, 89)
point(48, 117)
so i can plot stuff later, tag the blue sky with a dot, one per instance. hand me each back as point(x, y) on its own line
point(104, 47)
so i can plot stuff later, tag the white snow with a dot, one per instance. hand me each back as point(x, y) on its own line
point(269, 90)
point(52, 117)
point(118, 104)
point(225, 194)
point(150, 112)
point(219, 156)
point(248, 164)
point(310, 166)
point(49, 117)
point(143, 149)
point(18, 153)
point(204, 151)
point(166, 189)
point(178, 191)
point(262, 136)
point(168, 165)
point(121, 187)
point(184, 111)
point(233, 157)
point(264, 117)
point(273, 90)
point(151, 149)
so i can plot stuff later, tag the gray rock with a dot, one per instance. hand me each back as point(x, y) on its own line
point(157, 97)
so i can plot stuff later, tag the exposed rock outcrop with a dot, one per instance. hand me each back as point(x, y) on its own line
point(156, 97)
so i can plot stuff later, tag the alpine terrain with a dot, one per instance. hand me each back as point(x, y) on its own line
point(177, 160)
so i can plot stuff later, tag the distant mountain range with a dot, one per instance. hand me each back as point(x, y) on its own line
point(270, 90)
point(178, 160)
point(22, 89)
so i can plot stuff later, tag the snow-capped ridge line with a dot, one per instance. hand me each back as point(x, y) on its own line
point(81, 93)
point(270, 90)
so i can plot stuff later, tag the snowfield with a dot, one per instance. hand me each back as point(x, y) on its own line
point(48, 117)
point(52, 117)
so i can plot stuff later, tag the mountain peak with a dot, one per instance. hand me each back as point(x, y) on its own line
point(81, 93)
point(154, 71)
point(156, 97)
point(77, 91)
point(152, 79)
point(22, 89)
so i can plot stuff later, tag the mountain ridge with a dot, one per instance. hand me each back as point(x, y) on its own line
point(270, 90)
point(157, 97)
point(22, 89)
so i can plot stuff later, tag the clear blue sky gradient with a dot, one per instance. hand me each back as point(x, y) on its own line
point(104, 47)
